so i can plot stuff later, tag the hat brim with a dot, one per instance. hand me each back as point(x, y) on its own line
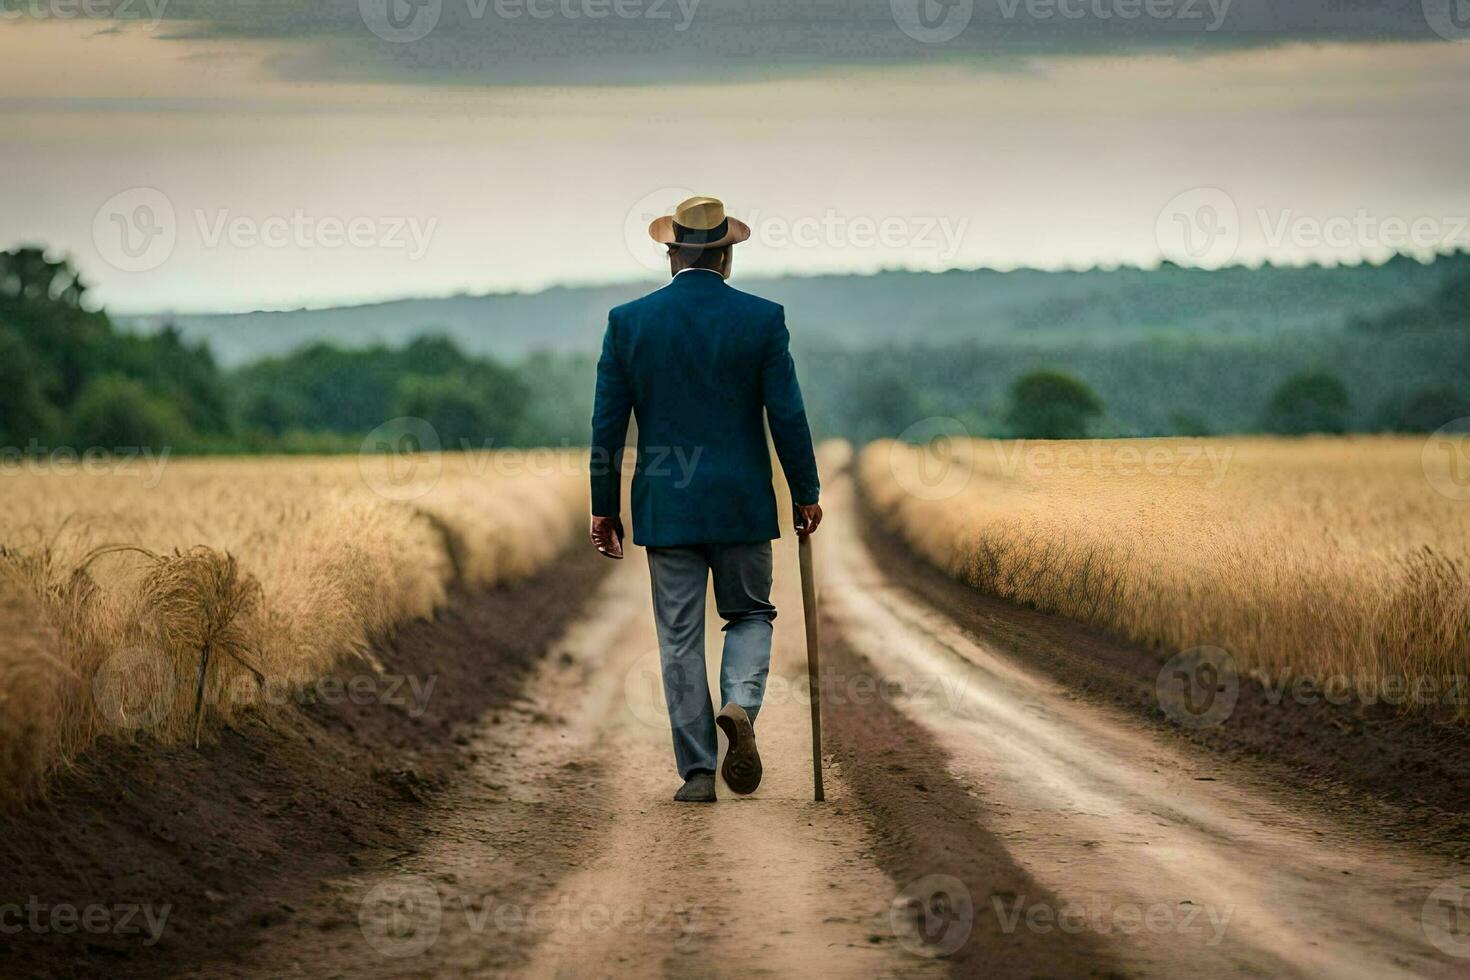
point(662, 231)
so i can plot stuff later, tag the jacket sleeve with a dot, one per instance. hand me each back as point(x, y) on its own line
point(787, 416)
point(610, 413)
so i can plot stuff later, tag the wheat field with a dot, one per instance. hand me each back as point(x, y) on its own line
point(1341, 560)
point(116, 579)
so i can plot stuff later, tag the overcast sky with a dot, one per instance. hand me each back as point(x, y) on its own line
point(222, 155)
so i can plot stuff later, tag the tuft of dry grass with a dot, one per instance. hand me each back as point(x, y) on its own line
point(123, 588)
point(1330, 559)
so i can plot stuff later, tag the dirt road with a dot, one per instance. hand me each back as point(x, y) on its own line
point(1126, 826)
point(975, 810)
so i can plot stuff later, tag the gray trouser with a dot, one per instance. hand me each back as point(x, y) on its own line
point(742, 574)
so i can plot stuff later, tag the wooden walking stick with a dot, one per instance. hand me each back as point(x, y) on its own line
point(813, 655)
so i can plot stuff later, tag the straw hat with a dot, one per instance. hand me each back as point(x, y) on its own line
point(699, 222)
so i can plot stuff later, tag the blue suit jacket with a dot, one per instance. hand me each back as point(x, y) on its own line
point(698, 362)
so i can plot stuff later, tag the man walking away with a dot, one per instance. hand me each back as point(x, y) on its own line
point(703, 366)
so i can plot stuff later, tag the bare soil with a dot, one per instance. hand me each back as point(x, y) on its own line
point(1406, 774)
point(243, 838)
point(1182, 860)
point(989, 770)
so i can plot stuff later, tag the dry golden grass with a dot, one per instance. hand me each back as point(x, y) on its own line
point(1319, 558)
point(115, 585)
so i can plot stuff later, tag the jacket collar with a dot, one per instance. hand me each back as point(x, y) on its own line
point(687, 276)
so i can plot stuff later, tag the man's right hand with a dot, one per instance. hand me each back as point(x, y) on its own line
point(607, 536)
point(808, 516)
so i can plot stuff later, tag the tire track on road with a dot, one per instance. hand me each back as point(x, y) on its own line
point(1118, 824)
point(770, 884)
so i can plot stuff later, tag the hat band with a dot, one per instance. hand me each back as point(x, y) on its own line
point(700, 236)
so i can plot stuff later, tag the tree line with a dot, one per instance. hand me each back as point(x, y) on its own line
point(69, 377)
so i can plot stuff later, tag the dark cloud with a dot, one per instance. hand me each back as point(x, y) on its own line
point(476, 42)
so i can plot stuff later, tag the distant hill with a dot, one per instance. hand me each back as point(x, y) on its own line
point(1026, 307)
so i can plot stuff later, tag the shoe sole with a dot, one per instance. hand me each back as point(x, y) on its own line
point(742, 768)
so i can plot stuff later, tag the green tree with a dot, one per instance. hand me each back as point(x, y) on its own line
point(113, 410)
point(1424, 410)
point(558, 404)
point(1452, 299)
point(1313, 401)
point(182, 373)
point(1051, 405)
point(55, 348)
point(272, 411)
point(1189, 424)
point(455, 407)
point(433, 354)
point(24, 411)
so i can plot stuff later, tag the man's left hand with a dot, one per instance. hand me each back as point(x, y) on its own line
point(808, 516)
point(607, 536)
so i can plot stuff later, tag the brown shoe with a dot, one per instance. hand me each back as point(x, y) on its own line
point(742, 768)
